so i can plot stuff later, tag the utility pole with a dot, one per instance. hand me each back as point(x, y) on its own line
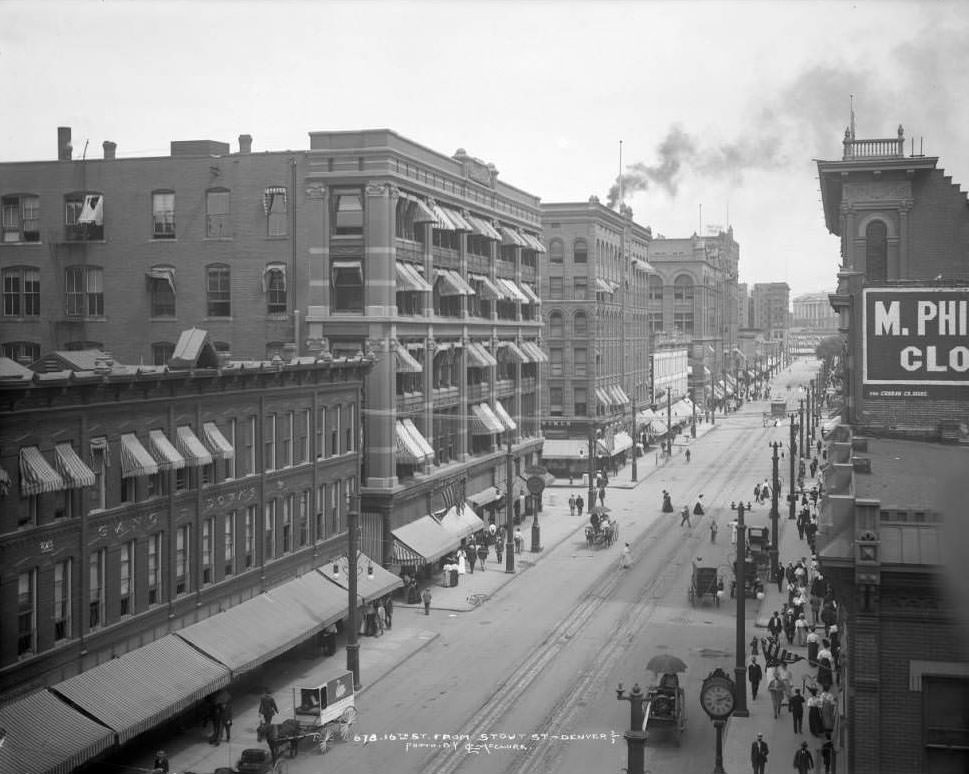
point(509, 509)
point(792, 455)
point(353, 647)
point(740, 590)
point(592, 464)
point(774, 512)
point(800, 412)
point(635, 436)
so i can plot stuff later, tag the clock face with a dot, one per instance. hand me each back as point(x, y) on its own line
point(717, 700)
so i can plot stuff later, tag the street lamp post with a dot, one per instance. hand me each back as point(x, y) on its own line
point(792, 455)
point(636, 735)
point(592, 464)
point(740, 589)
point(693, 424)
point(774, 513)
point(800, 413)
point(353, 647)
point(669, 421)
point(509, 508)
point(810, 411)
point(635, 474)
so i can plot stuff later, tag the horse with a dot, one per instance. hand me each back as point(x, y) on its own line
point(276, 735)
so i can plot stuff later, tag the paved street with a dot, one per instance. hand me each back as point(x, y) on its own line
point(540, 659)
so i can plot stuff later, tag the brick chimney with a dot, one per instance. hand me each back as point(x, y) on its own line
point(64, 147)
point(245, 143)
point(109, 148)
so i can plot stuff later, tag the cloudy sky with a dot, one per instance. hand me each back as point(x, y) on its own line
point(721, 107)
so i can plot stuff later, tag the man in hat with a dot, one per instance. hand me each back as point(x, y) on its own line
point(755, 674)
point(758, 754)
point(161, 762)
point(803, 760)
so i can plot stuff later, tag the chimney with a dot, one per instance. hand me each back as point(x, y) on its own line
point(245, 143)
point(64, 147)
point(109, 148)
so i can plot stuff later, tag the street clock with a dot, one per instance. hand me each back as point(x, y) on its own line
point(717, 695)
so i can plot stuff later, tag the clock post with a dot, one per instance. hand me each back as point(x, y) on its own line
point(717, 697)
point(636, 735)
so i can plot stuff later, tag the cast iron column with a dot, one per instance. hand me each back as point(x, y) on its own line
point(774, 513)
point(740, 669)
point(592, 464)
point(353, 647)
point(635, 475)
point(509, 508)
point(800, 412)
point(636, 735)
point(792, 455)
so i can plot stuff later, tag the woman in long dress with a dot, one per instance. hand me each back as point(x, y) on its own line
point(462, 562)
point(815, 722)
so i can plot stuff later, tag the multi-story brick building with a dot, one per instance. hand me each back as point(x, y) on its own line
point(594, 292)
point(152, 519)
point(892, 505)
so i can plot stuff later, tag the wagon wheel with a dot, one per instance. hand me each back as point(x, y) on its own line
point(347, 719)
point(323, 737)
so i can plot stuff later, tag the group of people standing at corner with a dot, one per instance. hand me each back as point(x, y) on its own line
point(577, 502)
point(378, 615)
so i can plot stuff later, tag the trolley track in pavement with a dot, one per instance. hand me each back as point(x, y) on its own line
point(670, 557)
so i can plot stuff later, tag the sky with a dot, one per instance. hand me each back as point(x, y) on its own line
point(720, 108)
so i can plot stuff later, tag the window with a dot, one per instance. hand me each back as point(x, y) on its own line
point(321, 434)
point(683, 288)
point(269, 543)
point(580, 286)
point(683, 321)
point(320, 512)
point(654, 321)
point(21, 292)
point(580, 251)
point(99, 448)
point(303, 517)
point(335, 431)
point(20, 220)
point(556, 251)
point(555, 288)
point(129, 489)
point(248, 535)
point(96, 561)
point(655, 288)
point(348, 445)
point(555, 361)
point(333, 522)
point(876, 251)
point(347, 213)
point(274, 202)
point(161, 289)
point(251, 447)
point(288, 429)
point(275, 284)
point(84, 288)
point(163, 215)
point(303, 443)
point(126, 587)
point(580, 324)
point(62, 601)
point(182, 559)
point(207, 527)
point(27, 612)
point(580, 401)
point(581, 361)
point(288, 502)
point(161, 352)
point(22, 351)
point(229, 543)
point(945, 723)
point(269, 443)
point(347, 286)
point(217, 292)
point(555, 401)
point(555, 327)
point(154, 568)
point(83, 217)
point(217, 214)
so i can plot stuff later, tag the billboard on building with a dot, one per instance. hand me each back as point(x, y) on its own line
point(671, 370)
point(915, 342)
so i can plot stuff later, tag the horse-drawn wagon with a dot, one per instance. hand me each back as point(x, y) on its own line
point(603, 533)
point(704, 581)
point(665, 708)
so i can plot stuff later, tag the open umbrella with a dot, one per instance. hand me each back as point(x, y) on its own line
point(665, 663)
point(599, 510)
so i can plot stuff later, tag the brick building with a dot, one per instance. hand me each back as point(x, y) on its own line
point(594, 286)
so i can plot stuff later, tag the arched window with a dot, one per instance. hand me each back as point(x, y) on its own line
point(274, 286)
point(580, 324)
point(683, 288)
point(655, 288)
point(876, 251)
point(555, 327)
point(580, 251)
point(556, 251)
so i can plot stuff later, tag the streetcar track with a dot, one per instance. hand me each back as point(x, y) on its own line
point(509, 692)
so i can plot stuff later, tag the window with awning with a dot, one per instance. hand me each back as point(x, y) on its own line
point(135, 459)
point(623, 397)
point(409, 450)
point(486, 288)
point(220, 445)
point(643, 266)
point(512, 350)
point(164, 451)
point(510, 236)
point(534, 242)
point(409, 278)
point(533, 349)
point(36, 474)
point(406, 363)
point(194, 451)
point(274, 276)
point(504, 417)
point(451, 283)
point(422, 213)
point(418, 436)
point(72, 469)
point(603, 287)
point(459, 221)
point(164, 274)
point(529, 291)
point(479, 357)
point(484, 421)
point(441, 219)
point(514, 292)
point(603, 397)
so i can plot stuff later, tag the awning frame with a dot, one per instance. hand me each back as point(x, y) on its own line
point(164, 451)
point(194, 451)
point(72, 468)
point(135, 459)
point(36, 474)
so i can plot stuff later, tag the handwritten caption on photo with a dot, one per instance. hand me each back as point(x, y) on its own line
point(476, 744)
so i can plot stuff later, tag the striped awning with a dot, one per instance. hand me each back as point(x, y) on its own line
point(515, 292)
point(373, 584)
point(422, 213)
point(194, 451)
point(423, 540)
point(164, 451)
point(452, 283)
point(441, 220)
point(484, 421)
point(480, 357)
point(616, 394)
point(408, 450)
point(487, 290)
point(510, 236)
point(621, 442)
point(36, 474)
point(643, 266)
point(565, 449)
point(72, 469)
point(514, 351)
point(409, 278)
point(418, 436)
point(135, 692)
point(220, 446)
point(604, 287)
point(604, 397)
point(718, 391)
point(135, 459)
point(406, 363)
point(533, 242)
point(529, 291)
point(483, 228)
point(533, 349)
point(47, 736)
point(504, 417)
point(623, 397)
point(459, 221)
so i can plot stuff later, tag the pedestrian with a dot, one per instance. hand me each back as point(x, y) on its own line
point(803, 760)
point(779, 577)
point(472, 557)
point(267, 706)
point(483, 555)
point(572, 505)
point(774, 626)
point(757, 492)
point(800, 631)
point(388, 610)
point(688, 455)
point(518, 534)
point(498, 550)
point(758, 754)
point(713, 531)
point(796, 705)
point(602, 495)
point(827, 754)
point(227, 722)
point(216, 724)
point(776, 689)
point(579, 505)
point(426, 597)
point(698, 507)
point(624, 557)
point(733, 532)
point(754, 674)
point(161, 762)
point(685, 516)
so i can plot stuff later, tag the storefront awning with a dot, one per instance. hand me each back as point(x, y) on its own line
point(135, 459)
point(441, 221)
point(422, 213)
point(406, 363)
point(164, 274)
point(459, 221)
point(192, 449)
point(487, 289)
point(514, 292)
point(718, 391)
point(487, 495)
point(604, 287)
point(164, 452)
point(311, 595)
point(504, 417)
point(484, 228)
point(461, 521)
point(513, 351)
point(479, 357)
point(484, 421)
point(565, 449)
point(418, 436)
point(604, 397)
point(533, 242)
point(510, 236)
point(623, 397)
point(409, 450)
point(529, 291)
point(409, 278)
point(36, 474)
point(368, 589)
point(220, 446)
point(72, 469)
point(44, 735)
point(643, 266)
point(658, 427)
point(425, 539)
point(533, 349)
point(136, 691)
point(621, 441)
